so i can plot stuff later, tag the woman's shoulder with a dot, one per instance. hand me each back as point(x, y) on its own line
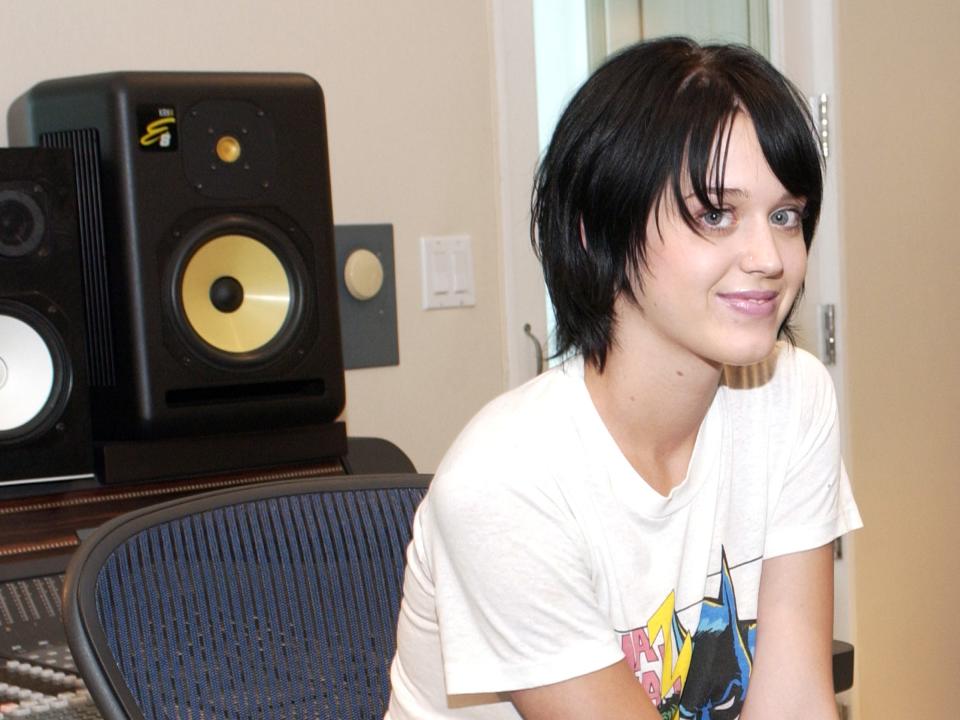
point(791, 388)
point(524, 416)
point(515, 437)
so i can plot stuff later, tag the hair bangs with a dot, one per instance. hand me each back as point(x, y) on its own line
point(701, 173)
point(785, 130)
point(793, 154)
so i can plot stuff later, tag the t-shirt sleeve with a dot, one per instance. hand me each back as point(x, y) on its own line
point(512, 578)
point(815, 503)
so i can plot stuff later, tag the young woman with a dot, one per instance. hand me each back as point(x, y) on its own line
point(645, 531)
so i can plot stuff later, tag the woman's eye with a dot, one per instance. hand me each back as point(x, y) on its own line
point(786, 217)
point(717, 219)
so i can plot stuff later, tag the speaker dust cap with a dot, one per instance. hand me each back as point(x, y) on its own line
point(239, 294)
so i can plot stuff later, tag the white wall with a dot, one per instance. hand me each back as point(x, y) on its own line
point(409, 89)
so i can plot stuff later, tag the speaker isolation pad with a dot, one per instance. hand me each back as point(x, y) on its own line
point(235, 293)
point(27, 375)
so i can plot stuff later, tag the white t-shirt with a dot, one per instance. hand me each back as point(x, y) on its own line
point(539, 554)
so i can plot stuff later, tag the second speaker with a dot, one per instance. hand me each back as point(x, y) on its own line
point(206, 223)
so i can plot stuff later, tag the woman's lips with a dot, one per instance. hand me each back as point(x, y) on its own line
point(755, 303)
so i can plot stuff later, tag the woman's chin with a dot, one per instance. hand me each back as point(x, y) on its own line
point(748, 353)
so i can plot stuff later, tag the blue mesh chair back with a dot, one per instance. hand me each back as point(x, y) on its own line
point(278, 601)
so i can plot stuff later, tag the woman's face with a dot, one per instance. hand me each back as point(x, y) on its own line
point(723, 294)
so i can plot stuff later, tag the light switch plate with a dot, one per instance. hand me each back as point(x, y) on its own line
point(446, 264)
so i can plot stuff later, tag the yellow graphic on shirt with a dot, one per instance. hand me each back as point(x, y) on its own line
point(659, 654)
point(675, 671)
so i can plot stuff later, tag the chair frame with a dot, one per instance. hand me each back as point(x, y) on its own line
point(85, 635)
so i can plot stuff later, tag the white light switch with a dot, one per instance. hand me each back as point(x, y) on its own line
point(440, 272)
point(447, 269)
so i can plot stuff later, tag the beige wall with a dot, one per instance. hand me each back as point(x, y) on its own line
point(409, 89)
point(901, 123)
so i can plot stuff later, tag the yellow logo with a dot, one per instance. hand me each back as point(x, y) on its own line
point(158, 131)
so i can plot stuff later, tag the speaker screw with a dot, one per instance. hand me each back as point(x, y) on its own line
point(199, 186)
point(176, 233)
point(60, 427)
point(186, 360)
point(265, 183)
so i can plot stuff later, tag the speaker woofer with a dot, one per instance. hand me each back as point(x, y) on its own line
point(238, 290)
point(35, 373)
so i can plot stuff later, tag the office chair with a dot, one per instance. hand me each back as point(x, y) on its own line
point(275, 601)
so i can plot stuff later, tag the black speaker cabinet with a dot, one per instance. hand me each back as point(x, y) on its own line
point(207, 225)
point(44, 403)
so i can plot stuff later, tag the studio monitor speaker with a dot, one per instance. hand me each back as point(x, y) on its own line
point(44, 404)
point(208, 234)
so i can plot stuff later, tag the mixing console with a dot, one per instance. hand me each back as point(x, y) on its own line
point(37, 676)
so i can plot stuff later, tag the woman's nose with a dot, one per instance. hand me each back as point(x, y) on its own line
point(760, 253)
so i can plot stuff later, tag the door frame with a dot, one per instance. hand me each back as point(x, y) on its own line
point(523, 298)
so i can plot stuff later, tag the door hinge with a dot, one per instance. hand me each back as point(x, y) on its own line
point(828, 325)
point(821, 115)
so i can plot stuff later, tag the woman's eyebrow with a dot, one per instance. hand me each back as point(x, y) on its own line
point(727, 191)
point(741, 194)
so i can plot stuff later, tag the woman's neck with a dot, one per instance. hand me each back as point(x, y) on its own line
point(653, 397)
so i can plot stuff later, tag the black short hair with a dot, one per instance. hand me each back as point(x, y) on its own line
point(647, 120)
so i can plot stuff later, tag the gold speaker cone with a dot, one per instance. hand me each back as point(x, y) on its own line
point(266, 300)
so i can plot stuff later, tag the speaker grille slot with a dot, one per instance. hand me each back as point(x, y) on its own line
point(85, 144)
point(224, 394)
